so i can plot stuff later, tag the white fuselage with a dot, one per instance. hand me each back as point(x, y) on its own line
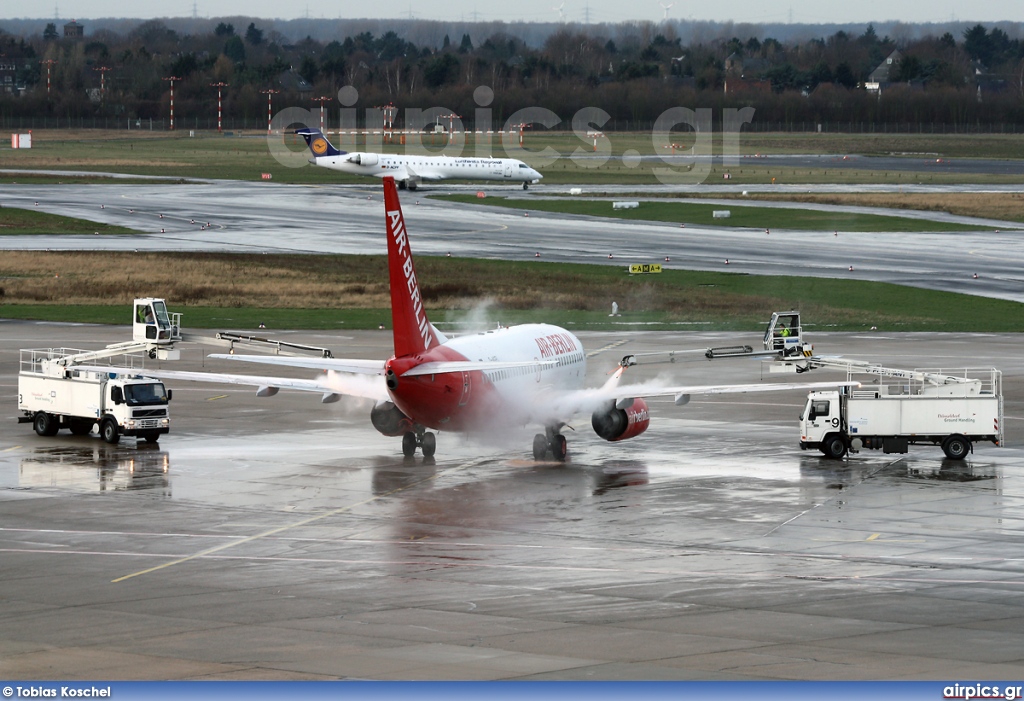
point(554, 361)
point(420, 168)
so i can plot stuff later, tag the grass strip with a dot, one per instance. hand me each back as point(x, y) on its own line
point(239, 291)
point(741, 216)
point(21, 222)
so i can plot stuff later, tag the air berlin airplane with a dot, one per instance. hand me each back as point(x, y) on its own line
point(531, 374)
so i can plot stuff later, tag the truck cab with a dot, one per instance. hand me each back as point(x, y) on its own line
point(822, 424)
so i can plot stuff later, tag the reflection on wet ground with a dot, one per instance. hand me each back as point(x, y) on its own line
point(97, 467)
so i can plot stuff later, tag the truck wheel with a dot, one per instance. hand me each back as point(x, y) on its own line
point(109, 431)
point(81, 427)
point(45, 424)
point(956, 447)
point(152, 437)
point(834, 446)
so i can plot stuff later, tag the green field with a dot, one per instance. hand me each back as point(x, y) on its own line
point(741, 215)
point(23, 221)
point(247, 156)
point(458, 289)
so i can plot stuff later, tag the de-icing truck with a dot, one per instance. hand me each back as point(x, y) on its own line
point(893, 409)
point(56, 390)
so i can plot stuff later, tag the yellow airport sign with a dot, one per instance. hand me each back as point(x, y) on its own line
point(641, 268)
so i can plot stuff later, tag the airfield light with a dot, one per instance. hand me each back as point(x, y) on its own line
point(172, 79)
point(49, 62)
point(220, 86)
point(103, 81)
point(451, 125)
point(270, 93)
point(389, 111)
point(321, 100)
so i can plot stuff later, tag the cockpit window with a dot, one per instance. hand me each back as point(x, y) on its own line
point(523, 165)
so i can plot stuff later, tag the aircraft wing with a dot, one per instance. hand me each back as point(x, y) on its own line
point(421, 174)
point(589, 400)
point(332, 385)
point(358, 366)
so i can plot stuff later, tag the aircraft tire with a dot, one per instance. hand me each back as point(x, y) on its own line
point(540, 446)
point(559, 447)
point(428, 444)
point(409, 444)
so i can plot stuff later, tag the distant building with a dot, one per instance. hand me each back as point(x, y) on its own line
point(739, 84)
point(8, 75)
point(881, 77)
point(745, 67)
point(73, 30)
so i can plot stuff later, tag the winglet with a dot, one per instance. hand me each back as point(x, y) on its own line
point(318, 143)
point(413, 332)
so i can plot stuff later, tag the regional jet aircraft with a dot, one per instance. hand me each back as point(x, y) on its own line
point(409, 171)
point(531, 374)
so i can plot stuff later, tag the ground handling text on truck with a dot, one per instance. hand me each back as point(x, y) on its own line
point(53, 394)
point(893, 409)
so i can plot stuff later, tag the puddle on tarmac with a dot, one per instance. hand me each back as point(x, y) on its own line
point(97, 468)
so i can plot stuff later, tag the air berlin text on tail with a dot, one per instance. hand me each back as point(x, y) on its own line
point(413, 332)
point(397, 226)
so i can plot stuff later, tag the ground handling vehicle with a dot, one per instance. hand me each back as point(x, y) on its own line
point(53, 395)
point(893, 409)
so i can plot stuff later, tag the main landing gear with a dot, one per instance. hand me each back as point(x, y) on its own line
point(551, 440)
point(420, 438)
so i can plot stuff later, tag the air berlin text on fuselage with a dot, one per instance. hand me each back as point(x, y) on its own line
point(398, 231)
point(555, 344)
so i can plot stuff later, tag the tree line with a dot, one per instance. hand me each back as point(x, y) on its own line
point(977, 78)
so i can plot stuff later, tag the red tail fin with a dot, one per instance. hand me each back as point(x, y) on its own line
point(413, 333)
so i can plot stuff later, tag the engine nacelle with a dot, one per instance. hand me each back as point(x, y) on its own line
point(614, 424)
point(389, 419)
point(364, 159)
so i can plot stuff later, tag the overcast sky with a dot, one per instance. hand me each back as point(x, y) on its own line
point(754, 11)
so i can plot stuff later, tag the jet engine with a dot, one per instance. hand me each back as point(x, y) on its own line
point(364, 159)
point(389, 419)
point(621, 420)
